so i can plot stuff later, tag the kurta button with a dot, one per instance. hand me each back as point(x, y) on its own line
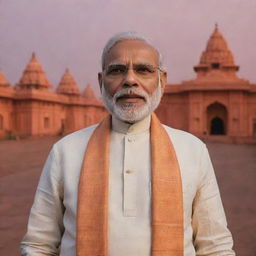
point(129, 171)
point(130, 139)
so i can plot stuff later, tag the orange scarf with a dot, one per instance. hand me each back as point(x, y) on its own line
point(167, 200)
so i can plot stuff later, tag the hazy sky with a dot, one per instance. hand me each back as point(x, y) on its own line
point(72, 33)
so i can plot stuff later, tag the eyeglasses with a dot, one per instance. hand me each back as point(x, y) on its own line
point(143, 70)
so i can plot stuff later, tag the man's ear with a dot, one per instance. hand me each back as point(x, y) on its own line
point(100, 80)
point(163, 79)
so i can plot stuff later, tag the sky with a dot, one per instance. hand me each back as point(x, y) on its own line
point(72, 33)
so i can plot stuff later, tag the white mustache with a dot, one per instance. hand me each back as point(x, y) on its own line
point(126, 91)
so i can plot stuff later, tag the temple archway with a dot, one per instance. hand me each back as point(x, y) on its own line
point(217, 126)
point(217, 119)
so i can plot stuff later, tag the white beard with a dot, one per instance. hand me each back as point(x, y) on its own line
point(131, 112)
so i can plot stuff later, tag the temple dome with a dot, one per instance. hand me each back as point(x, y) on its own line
point(217, 55)
point(89, 93)
point(34, 76)
point(68, 85)
point(3, 81)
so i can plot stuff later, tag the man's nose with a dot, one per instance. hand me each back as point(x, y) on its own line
point(130, 78)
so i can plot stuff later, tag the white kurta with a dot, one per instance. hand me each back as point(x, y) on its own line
point(52, 221)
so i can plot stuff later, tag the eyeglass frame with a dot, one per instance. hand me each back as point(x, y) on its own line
point(151, 69)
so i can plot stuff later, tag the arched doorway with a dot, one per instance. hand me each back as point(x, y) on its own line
point(217, 119)
point(217, 126)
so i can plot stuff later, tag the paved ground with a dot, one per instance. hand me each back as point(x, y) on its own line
point(21, 163)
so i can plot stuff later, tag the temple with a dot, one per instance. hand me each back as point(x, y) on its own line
point(216, 105)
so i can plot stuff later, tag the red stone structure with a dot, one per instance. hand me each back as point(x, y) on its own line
point(31, 109)
point(216, 105)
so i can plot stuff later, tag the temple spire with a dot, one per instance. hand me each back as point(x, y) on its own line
point(216, 26)
point(217, 56)
point(89, 93)
point(3, 81)
point(68, 85)
point(33, 76)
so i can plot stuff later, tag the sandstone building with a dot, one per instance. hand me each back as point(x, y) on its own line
point(217, 104)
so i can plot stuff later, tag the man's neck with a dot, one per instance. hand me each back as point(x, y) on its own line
point(125, 127)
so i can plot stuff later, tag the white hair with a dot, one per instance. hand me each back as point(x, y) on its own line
point(131, 35)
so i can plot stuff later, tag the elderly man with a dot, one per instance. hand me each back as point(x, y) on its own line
point(128, 186)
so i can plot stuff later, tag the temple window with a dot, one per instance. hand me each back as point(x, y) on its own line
point(62, 126)
point(215, 65)
point(46, 123)
point(1, 122)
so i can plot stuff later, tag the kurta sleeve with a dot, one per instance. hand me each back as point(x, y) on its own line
point(45, 225)
point(210, 232)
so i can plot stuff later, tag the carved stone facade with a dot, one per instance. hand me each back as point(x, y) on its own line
point(30, 109)
point(216, 105)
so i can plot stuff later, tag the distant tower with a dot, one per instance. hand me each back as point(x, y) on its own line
point(216, 57)
point(33, 76)
point(68, 85)
point(3, 81)
point(88, 93)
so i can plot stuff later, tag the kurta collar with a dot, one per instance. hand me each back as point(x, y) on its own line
point(122, 127)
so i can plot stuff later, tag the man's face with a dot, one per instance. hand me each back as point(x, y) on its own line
point(131, 82)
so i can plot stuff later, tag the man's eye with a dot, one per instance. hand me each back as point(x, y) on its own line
point(144, 70)
point(115, 71)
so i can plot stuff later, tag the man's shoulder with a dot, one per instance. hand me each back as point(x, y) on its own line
point(183, 138)
point(189, 149)
point(77, 138)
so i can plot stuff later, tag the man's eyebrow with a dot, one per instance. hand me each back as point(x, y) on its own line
point(143, 64)
point(113, 64)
